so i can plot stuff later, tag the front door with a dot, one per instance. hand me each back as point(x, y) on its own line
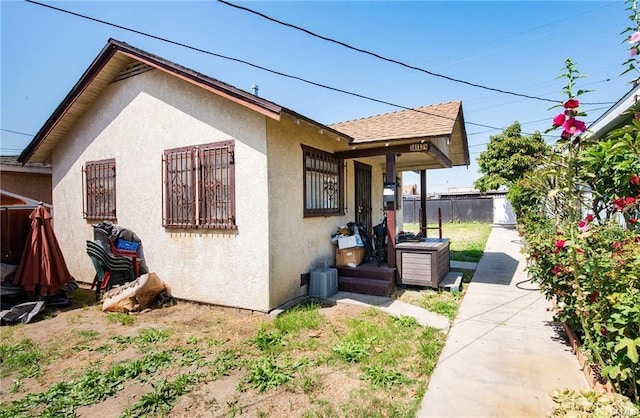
point(363, 195)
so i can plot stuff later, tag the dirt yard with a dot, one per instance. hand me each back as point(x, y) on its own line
point(191, 360)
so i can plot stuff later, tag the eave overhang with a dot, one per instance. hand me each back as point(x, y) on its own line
point(114, 58)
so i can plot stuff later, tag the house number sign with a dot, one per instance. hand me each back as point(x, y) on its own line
point(418, 147)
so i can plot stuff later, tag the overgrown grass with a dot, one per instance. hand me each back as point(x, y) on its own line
point(468, 239)
point(441, 302)
point(297, 353)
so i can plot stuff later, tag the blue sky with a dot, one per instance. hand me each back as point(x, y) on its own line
point(518, 46)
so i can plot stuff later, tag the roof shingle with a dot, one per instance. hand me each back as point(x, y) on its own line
point(425, 121)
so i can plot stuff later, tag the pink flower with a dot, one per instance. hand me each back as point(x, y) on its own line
point(573, 127)
point(630, 200)
point(560, 243)
point(555, 270)
point(559, 120)
point(588, 218)
point(633, 52)
point(617, 245)
point(635, 38)
point(635, 179)
point(583, 226)
point(571, 104)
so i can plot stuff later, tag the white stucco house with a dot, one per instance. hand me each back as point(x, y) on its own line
point(233, 196)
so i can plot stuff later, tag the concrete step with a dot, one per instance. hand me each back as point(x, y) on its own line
point(365, 286)
point(452, 282)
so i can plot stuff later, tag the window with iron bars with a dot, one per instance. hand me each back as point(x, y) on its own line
point(99, 190)
point(323, 183)
point(199, 187)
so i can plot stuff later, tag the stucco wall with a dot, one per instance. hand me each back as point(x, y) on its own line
point(297, 244)
point(134, 121)
point(33, 185)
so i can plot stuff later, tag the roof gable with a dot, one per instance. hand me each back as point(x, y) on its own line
point(116, 60)
point(440, 124)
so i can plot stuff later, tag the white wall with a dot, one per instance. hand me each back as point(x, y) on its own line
point(134, 121)
point(503, 213)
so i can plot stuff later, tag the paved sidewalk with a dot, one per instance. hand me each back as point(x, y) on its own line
point(503, 354)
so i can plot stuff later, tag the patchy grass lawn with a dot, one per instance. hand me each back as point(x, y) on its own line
point(468, 239)
point(195, 360)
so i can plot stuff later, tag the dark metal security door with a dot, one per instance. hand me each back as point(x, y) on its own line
point(363, 194)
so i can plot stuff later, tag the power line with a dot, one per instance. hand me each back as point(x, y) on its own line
point(253, 65)
point(391, 60)
point(15, 132)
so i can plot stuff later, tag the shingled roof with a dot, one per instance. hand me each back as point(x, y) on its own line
point(425, 121)
point(437, 124)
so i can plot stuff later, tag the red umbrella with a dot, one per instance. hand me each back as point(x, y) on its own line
point(42, 269)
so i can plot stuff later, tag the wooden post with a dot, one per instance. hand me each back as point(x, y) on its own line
point(423, 203)
point(390, 177)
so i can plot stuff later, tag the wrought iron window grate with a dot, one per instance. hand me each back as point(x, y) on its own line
point(99, 178)
point(199, 189)
point(323, 190)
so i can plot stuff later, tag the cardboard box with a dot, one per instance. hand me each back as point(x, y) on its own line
point(350, 242)
point(349, 257)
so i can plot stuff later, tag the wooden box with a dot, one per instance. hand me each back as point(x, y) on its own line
point(423, 263)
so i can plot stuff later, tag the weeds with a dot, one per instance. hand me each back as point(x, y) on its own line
point(145, 337)
point(298, 318)
point(390, 352)
point(121, 318)
point(164, 396)
point(351, 351)
point(265, 374)
point(224, 362)
point(379, 376)
point(405, 321)
point(268, 339)
point(62, 398)
point(24, 357)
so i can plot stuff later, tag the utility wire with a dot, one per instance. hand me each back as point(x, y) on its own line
point(324, 86)
point(15, 132)
point(391, 60)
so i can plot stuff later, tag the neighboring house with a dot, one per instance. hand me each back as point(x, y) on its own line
point(617, 116)
point(233, 196)
point(32, 180)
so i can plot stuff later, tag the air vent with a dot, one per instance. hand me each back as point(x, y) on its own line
point(132, 70)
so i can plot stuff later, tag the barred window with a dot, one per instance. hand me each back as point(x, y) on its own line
point(323, 184)
point(199, 187)
point(99, 190)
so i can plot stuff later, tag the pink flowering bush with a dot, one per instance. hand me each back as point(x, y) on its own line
point(584, 250)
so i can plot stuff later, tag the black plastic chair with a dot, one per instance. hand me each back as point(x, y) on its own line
point(110, 270)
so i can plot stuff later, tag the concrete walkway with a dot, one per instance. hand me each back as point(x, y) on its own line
point(503, 354)
point(395, 308)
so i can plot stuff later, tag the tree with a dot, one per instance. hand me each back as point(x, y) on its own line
point(508, 157)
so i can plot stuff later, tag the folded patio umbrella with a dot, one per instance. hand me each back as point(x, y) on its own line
point(42, 269)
